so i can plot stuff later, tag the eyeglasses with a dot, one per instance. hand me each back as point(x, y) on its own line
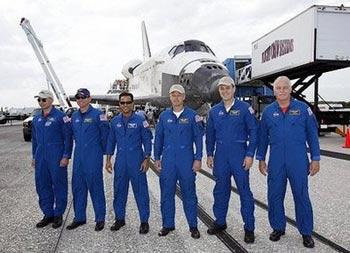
point(42, 100)
point(125, 102)
point(80, 97)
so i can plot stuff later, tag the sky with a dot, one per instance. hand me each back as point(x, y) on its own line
point(89, 41)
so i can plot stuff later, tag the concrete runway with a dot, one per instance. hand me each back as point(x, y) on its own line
point(20, 212)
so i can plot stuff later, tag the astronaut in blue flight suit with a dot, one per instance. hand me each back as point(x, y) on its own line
point(129, 132)
point(51, 148)
point(286, 126)
point(90, 131)
point(231, 124)
point(178, 129)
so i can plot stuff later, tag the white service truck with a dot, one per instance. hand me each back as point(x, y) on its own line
point(314, 42)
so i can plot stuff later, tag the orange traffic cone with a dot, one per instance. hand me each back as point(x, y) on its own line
point(347, 139)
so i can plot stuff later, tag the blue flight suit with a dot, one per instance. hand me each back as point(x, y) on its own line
point(227, 134)
point(51, 141)
point(287, 134)
point(128, 135)
point(174, 140)
point(90, 131)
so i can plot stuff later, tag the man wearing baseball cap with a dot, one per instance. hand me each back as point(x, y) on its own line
point(90, 132)
point(178, 129)
point(231, 126)
point(51, 148)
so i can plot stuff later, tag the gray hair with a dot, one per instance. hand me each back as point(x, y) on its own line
point(282, 79)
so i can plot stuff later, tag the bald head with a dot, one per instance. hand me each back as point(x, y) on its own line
point(282, 87)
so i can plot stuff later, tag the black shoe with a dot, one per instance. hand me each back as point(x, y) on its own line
point(117, 225)
point(249, 236)
point(144, 228)
point(99, 225)
point(57, 222)
point(44, 222)
point(164, 231)
point(195, 233)
point(276, 235)
point(75, 224)
point(308, 241)
point(216, 229)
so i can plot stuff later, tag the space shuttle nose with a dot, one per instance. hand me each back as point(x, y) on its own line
point(205, 81)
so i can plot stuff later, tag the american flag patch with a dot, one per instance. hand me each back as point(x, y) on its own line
point(309, 111)
point(251, 110)
point(66, 119)
point(145, 124)
point(103, 117)
point(198, 118)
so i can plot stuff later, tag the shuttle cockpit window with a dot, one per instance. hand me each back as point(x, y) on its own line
point(190, 46)
point(179, 49)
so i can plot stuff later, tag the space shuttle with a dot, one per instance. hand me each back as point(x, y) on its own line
point(190, 63)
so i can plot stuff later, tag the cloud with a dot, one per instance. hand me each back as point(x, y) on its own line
point(89, 41)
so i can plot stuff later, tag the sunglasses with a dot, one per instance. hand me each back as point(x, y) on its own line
point(42, 100)
point(81, 97)
point(125, 102)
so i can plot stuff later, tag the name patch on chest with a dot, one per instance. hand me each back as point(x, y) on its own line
point(132, 125)
point(184, 121)
point(234, 112)
point(221, 113)
point(48, 123)
point(294, 112)
point(88, 120)
point(275, 114)
point(169, 121)
point(119, 125)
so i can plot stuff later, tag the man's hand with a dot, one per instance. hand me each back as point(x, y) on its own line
point(33, 163)
point(210, 162)
point(263, 168)
point(248, 162)
point(109, 166)
point(197, 165)
point(145, 165)
point(64, 162)
point(157, 165)
point(314, 167)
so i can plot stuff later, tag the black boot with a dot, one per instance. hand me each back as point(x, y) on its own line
point(75, 224)
point(195, 233)
point(99, 225)
point(216, 229)
point(117, 225)
point(144, 228)
point(57, 222)
point(308, 241)
point(44, 222)
point(164, 231)
point(276, 235)
point(249, 236)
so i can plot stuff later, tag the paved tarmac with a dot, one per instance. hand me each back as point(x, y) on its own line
point(329, 191)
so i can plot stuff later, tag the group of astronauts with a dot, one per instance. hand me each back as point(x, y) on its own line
point(233, 137)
